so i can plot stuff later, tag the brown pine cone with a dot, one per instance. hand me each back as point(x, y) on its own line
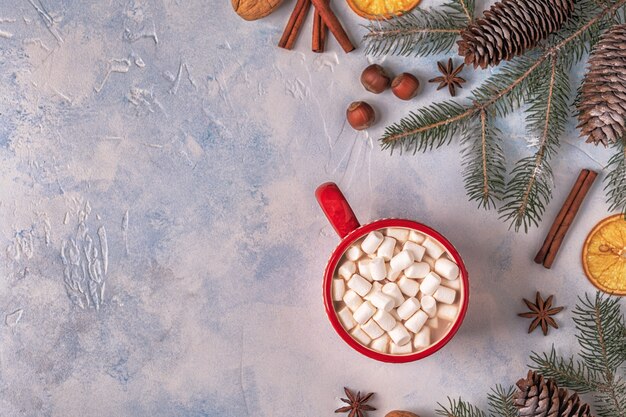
point(602, 105)
point(539, 397)
point(510, 27)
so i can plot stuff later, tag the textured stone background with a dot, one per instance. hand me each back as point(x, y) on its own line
point(180, 142)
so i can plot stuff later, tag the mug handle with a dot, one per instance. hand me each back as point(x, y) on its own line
point(336, 208)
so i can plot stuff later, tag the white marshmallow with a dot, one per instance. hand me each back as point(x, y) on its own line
point(353, 253)
point(408, 308)
point(385, 250)
point(417, 250)
point(430, 261)
point(352, 300)
point(445, 295)
point(346, 319)
point(392, 290)
point(347, 269)
point(339, 289)
point(448, 312)
point(416, 322)
point(429, 305)
point(400, 350)
point(378, 270)
point(416, 237)
point(360, 336)
point(371, 242)
point(399, 335)
point(364, 312)
point(385, 320)
point(409, 287)
point(372, 329)
point(392, 274)
point(381, 344)
point(364, 269)
point(402, 260)
point(394, 314)
point(433, 248)
point(417, 270)
point(456, 284)
point(376, 287)
point(422, 339)
point(360, 285)
point(398, 233)
point(447, 269)
point(429, 285)
point(433, 323)
point(382, 301)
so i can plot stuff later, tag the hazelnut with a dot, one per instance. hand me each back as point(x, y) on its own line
point(375, 79)
point(399, 413)
point(405, 86)
point(360, 115)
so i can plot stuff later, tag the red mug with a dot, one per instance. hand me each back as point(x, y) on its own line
point(345, 223)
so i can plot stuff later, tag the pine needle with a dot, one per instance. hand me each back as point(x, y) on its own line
point(530, 188)
point(421, 32)
point(483, 160)
point(616, 179)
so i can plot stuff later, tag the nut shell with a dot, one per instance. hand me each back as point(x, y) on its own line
point(360, 115)
point(375, 79)
point(405, 86)
point(254, 9)
point(400, 413)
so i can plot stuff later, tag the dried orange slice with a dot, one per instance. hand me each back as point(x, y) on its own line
point(382, 9)
point(604, 255)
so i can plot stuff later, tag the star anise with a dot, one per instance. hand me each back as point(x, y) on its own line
point(449, 77)
point(541, 312)
point(357, 404)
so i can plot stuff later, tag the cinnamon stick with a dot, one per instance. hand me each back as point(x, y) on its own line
point(330, 19)
point(569, 218)
point(319, 33)
point(543, 252)
point(296, 20)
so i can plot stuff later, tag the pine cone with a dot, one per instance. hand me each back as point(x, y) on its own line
point(602, 105)
point(510, 27)
point(538, 397)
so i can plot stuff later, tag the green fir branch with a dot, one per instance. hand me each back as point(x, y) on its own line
point(483, 160)
point(459, 408)
point(583, 41)
point(601, 330)
point(507, 89)
point(600, 325)
point(571, 373)
point(530, 188)
point(616, 179)
point(501, 402)
point(430, 127)
point(421, 32)
point(519, 81)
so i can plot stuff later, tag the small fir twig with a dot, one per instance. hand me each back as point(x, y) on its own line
point(520, 80)
point(600, 325)
point(616, 179)
point(421, 32)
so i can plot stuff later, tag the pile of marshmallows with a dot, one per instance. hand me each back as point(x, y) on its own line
point(404, 280)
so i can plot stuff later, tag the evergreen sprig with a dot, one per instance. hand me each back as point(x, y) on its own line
point(601, 336)
point(500, 402)
point(422, 32)
point(484, 162)
point(616, 179)
point(539, 79)
point(530, 188)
